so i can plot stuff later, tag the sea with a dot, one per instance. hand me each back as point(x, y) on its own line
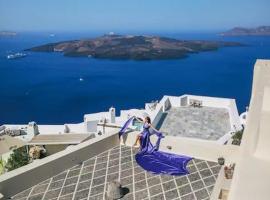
point(49, 88)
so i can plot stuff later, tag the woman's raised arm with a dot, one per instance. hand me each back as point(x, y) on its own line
point(139, 119)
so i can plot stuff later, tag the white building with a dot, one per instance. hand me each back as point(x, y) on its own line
point(200, 127)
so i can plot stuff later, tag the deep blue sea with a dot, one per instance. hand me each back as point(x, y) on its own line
point(46, 87)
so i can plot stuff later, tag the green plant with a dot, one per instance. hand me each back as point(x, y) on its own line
point(2, 166)
point(18, 158)
point(237, 137)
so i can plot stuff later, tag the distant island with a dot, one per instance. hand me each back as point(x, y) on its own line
point(240, 31)
point(113, 46)
point(7, 33)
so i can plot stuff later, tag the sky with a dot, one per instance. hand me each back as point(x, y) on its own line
point(132, 15)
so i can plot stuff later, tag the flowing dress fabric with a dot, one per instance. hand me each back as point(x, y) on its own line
point(158, 162)
point(124, 128)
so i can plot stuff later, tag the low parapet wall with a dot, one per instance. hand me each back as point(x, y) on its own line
point(197, 148)
point(25, 177)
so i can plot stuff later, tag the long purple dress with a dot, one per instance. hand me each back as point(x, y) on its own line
point(151, 159)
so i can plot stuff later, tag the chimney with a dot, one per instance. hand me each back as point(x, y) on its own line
point(112, 114)
point(32, 129)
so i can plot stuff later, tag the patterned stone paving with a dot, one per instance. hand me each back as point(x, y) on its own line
point(87, 181)
point(204, 123)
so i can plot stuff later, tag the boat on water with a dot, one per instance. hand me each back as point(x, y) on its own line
point(16, 55)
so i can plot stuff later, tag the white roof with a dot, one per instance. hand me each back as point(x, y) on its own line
point(8, 143)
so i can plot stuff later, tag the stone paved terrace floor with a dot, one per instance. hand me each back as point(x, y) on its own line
point(203, 123)
point(87, 181)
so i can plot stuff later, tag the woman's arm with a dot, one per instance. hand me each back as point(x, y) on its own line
point(139, 119)
point(153, 127)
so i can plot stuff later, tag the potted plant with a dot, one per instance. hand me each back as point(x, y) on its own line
point(228, 171)
point(221, 161)
point(237, 137)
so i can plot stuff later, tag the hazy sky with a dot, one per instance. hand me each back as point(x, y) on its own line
point(125, 15)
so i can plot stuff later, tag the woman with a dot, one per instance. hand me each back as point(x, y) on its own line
point(144, 136)
point(150, 158)
point(146, 126)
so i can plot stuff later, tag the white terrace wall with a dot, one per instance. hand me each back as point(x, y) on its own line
point(157, 116)
point(251, 179)
point(22, 178)
point(211, 101)
point(160, 108)
point(126, 114)
point(165, 103)
point(234, 116)
point(175, 101)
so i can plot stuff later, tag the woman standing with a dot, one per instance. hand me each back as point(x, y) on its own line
point(146, 127)
point(150, 158)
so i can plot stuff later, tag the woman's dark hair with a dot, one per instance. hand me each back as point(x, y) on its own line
point(148, 120)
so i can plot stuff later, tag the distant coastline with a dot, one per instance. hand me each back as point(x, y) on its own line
point(50, 82)
point(7, 33)
point(241, 31)
point(132, 47)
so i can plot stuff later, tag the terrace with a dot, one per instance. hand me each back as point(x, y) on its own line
point(83, 171)
point(196, 122)
point(88, 180)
